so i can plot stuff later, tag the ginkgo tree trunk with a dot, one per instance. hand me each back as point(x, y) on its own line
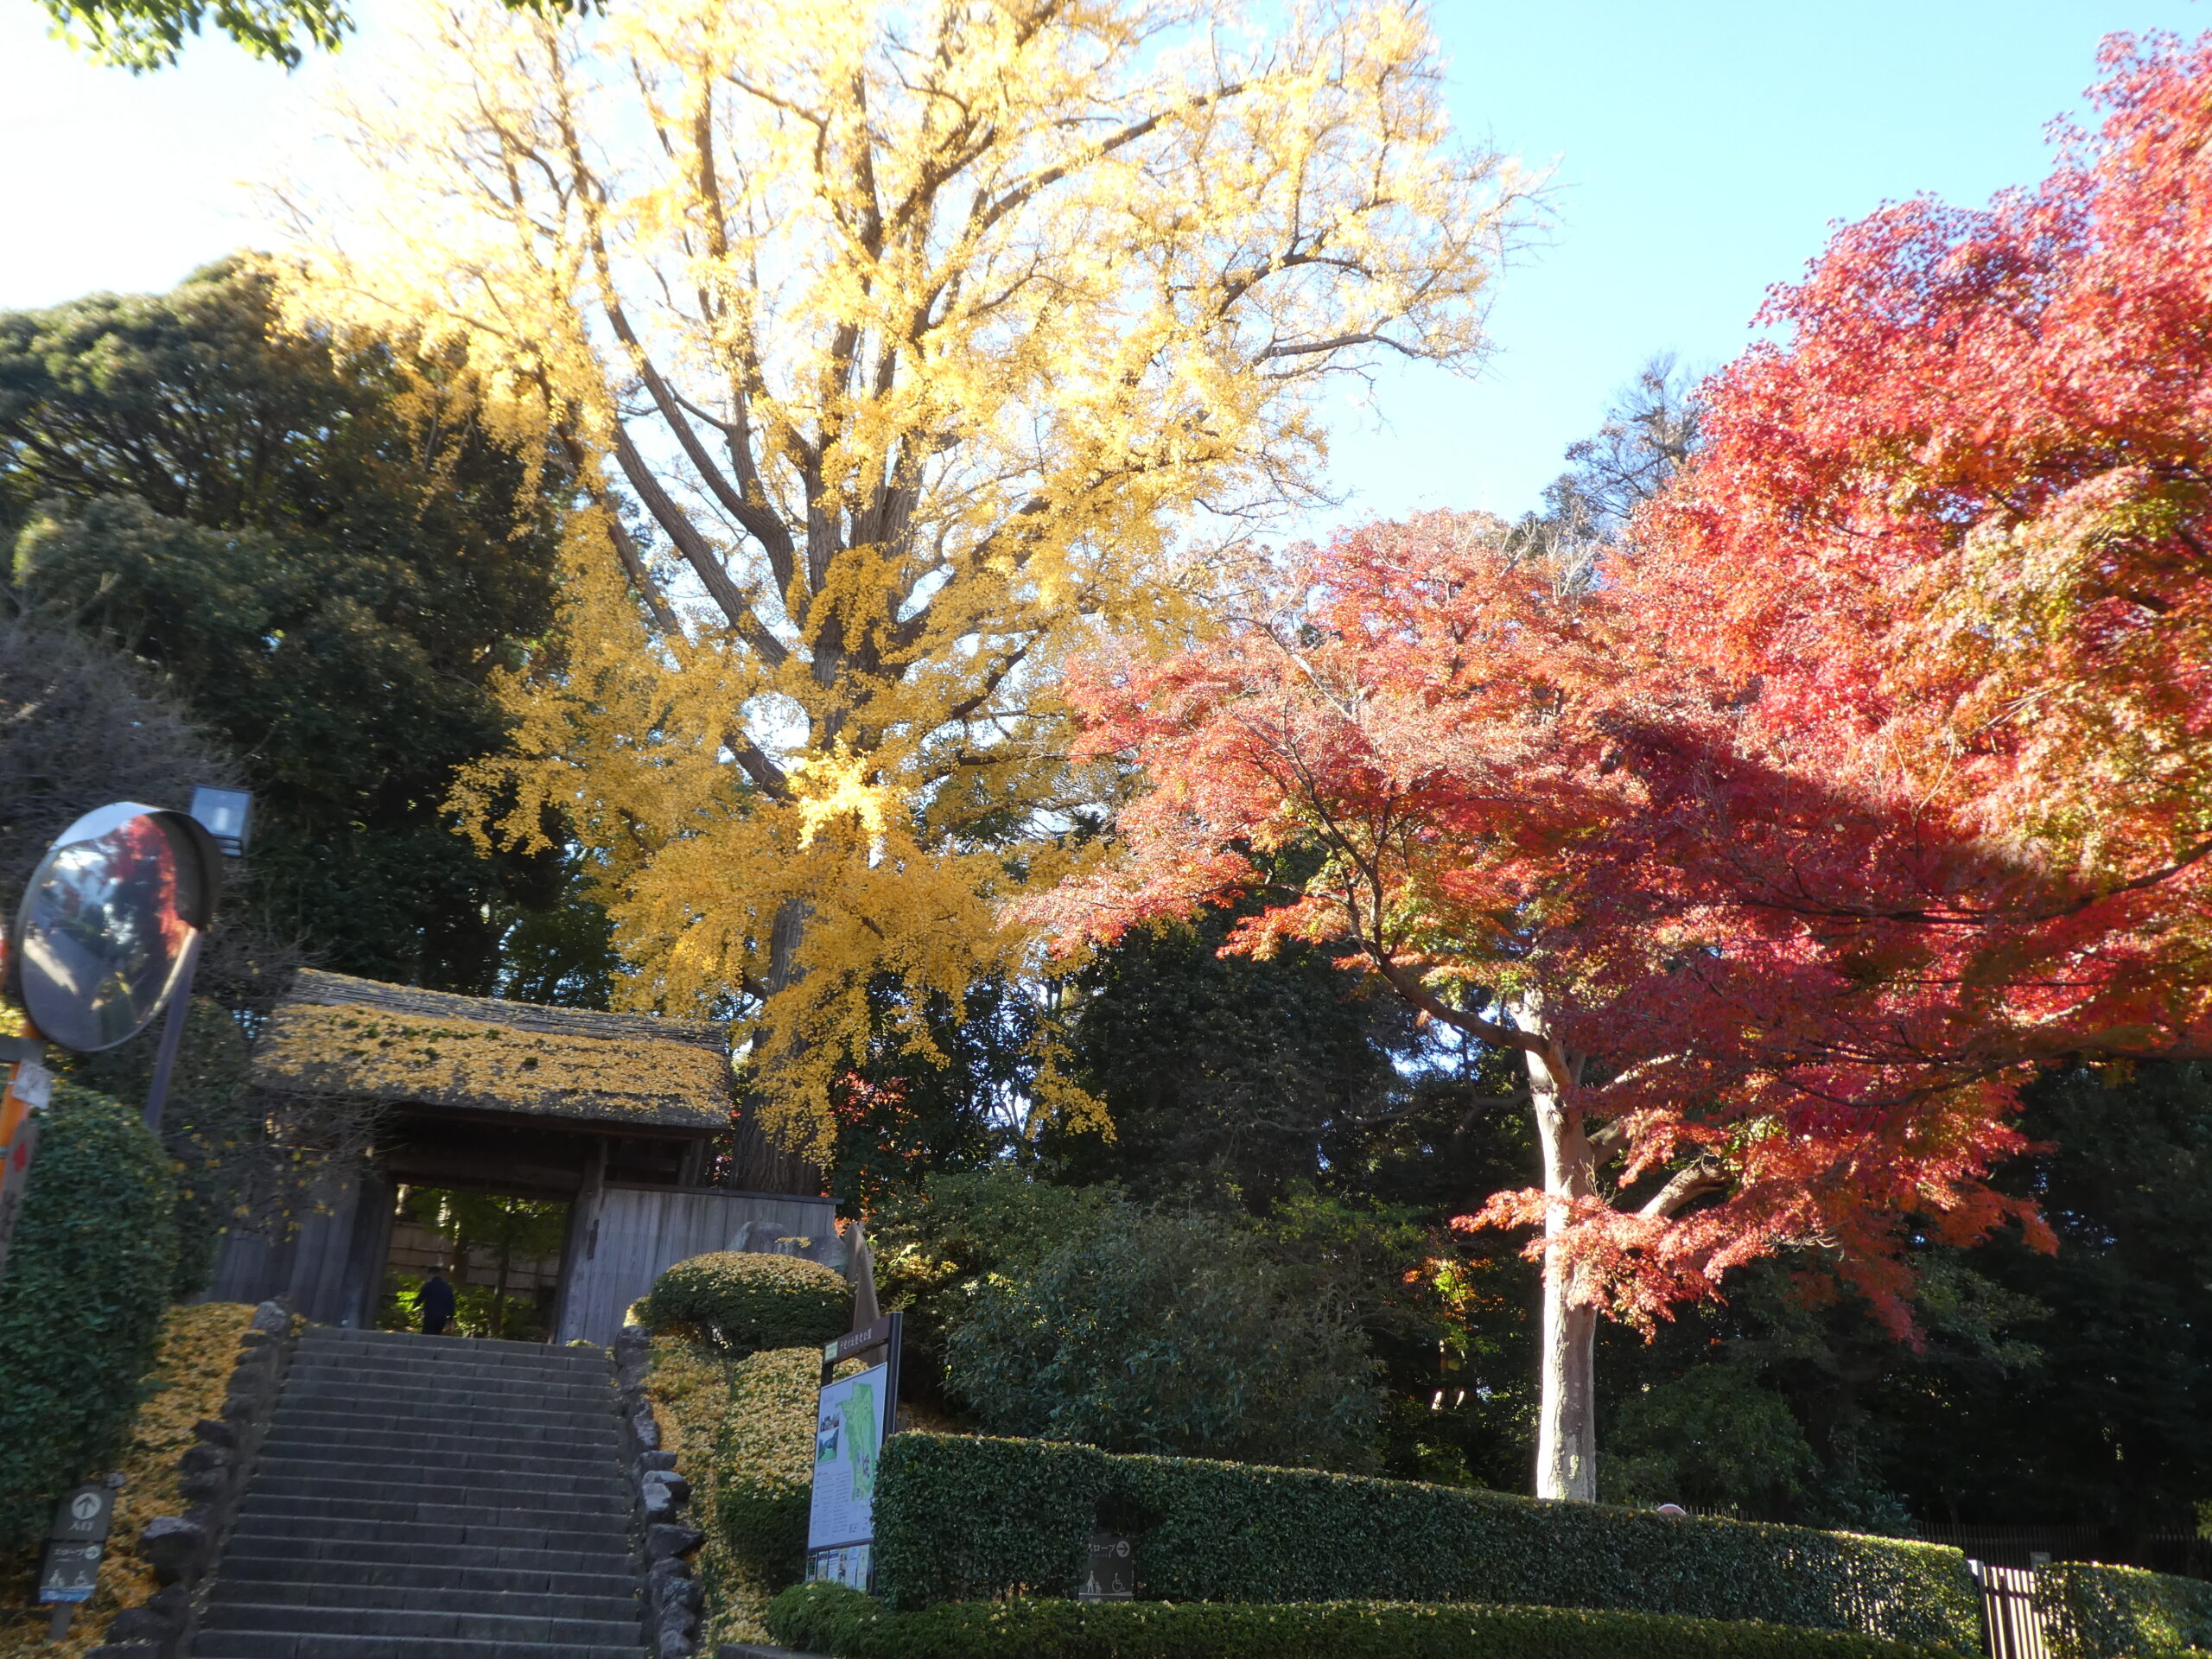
point(899, 344)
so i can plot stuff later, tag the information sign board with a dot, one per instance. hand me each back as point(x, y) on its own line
point(856, 1413)
point(70, 1572)
point(76, 1543)
point(85, 1513)
point(848, 1438)
point(1112, 1575)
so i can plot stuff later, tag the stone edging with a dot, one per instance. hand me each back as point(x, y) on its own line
point(671, 1596)
point(182, 1548)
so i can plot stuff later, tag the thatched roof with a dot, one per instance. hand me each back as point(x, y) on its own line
point(337, 1035)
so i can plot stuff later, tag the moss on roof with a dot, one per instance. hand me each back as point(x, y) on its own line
point(632, 1075)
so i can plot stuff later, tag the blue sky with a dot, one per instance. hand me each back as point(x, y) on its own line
point(1702, 150)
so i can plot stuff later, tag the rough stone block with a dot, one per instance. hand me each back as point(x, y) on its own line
point(205, 1456)
point(174, 1547)
point(664, 1543)
point(215, 1433)
point(141, 1624)
point(271, 1319)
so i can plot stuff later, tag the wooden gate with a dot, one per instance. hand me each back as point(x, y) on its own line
point(623, 1237)
point(2011, 1628)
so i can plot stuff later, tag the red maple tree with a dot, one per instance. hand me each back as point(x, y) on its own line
point(1533, 828)
point(1956, 531)
point(1872, 774)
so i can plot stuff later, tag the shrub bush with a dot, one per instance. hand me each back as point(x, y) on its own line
point(1161, 1332)
point(828, 1618)
point(2118, 1612)
point(764, 1459)
point(960, 1519)
point(748, 1300)
point(87, 1284)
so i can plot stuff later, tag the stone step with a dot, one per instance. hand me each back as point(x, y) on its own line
point(279, 1554)
point(319, 1417)
point(285, 1645)
point(415, 1385)
point(477, 1573)
point(314, 1477)
point(417, 1344)
point(345, 1458)
point(484, 1416)
point(435, 1530)
point(432, 1498)
point(379, 1361)
point(430, 1392)
point(409, 1347)
point(433, 1626)
point(424, 1599)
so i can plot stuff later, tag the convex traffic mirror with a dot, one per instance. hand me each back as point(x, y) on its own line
point(100, 939)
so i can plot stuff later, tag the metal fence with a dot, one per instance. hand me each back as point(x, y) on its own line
point(2012, 1627)
point(2183, 1554)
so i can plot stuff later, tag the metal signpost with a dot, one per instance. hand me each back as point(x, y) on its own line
point(74, 1546)
point(856, 1414)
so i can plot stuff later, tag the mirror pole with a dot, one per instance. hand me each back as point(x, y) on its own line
point(179, 1008)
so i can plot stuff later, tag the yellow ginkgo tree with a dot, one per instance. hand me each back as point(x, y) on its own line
point(899, 343)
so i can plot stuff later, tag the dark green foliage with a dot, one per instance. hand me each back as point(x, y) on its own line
point(328, 582)
point(748, 1300)
point(85, 1285)
point(829, 1618)
point(1154, 1332)
point(1274, 1090)
point(902, 1119)
point(210, 1127)
point(1713, 1436)
point(1072, 1313)
point(1226, 1074)
point(2065, 1388)
point(936, 1246)
point(961, 1519)
point(2117, 1612)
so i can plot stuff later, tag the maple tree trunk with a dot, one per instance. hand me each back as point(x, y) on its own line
point(1566, 1419)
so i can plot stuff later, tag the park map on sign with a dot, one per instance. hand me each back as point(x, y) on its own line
point(848, 1436)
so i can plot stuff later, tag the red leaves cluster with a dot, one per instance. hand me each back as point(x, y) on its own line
point(1875, 773)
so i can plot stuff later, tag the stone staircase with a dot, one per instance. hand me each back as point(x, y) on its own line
point(432, 1498)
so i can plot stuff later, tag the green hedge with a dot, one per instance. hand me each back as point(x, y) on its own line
point(764, 1461)
point(2118, 1612)
point(748, 1300)
point(87, 1284)
point(827, 1618)
point(963, 1519)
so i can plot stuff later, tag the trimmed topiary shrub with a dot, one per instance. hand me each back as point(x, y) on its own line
point(828, 1618)
point(964, 1519)
point(87, 1284)
point(2120, 1612)
point(764, 1462)
point(748, 1300)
